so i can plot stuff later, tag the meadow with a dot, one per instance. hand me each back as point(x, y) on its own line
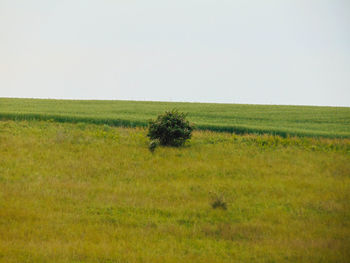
point(94, 193)
point(311, 121)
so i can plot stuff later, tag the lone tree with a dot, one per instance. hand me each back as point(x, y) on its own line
point(170, 129)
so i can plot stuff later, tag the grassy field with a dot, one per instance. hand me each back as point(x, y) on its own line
point(94, 193)
point(281, 120)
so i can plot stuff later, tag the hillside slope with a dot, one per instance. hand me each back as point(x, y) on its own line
point(238, 118)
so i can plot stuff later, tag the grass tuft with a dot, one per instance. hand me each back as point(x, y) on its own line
point(218, 201)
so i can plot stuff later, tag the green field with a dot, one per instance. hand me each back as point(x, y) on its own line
point(329, 122)
point(94, 193)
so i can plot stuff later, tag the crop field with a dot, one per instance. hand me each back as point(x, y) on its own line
point(95, 193)
point(331, 122)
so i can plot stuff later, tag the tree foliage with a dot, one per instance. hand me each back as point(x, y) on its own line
point(170, 128)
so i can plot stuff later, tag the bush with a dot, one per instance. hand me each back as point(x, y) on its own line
point(170, 128)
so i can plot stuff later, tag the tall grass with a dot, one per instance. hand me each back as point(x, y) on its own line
point(94, 193)
point(332, 122)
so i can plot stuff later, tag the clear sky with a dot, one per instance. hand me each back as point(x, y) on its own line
point(231, 51)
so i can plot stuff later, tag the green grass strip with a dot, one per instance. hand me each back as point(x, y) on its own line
point(134, 123)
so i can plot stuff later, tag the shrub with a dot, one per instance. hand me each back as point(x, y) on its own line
point(170, 128)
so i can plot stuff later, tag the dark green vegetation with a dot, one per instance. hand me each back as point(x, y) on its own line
point(170, 128)
point(281, 120)
point(89, 193)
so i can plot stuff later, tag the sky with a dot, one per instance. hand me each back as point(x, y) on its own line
point(294, 52)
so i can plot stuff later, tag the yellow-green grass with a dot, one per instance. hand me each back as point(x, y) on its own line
point(332, 122)
point(94, 193)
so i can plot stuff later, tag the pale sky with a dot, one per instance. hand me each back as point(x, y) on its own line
point(247, 51)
